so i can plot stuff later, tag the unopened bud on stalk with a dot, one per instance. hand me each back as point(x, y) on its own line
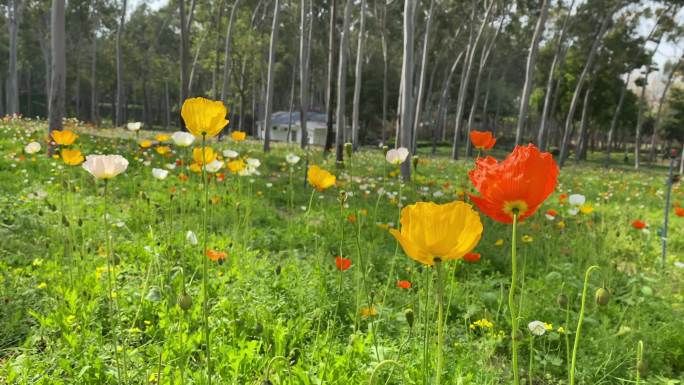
point(415, 159)
point(408, 313)
point(602, 296)
point(342, 197)
point(348, 149)
point(562, 301)
point(185, 301)
point(384, 150)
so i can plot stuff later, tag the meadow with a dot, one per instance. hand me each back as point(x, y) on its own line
point(290, 284)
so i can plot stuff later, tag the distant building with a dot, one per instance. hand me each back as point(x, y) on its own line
point(316, 126)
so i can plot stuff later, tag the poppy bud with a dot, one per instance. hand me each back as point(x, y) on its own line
point(602, 296)
point(408, 313)
point(267, 382)
point(65, 221)
point(415, 159)
point(342, 198)
point(277, 270)
point(348, 149)
point(258, 328)
point(185, 301)
point(642, 366)
point(562, 301)
point(384, 150)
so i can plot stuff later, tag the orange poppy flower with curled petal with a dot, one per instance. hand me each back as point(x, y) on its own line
point(64, 137)
point(482, 140)
point(517, 185)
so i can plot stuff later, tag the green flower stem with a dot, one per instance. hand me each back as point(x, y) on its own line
point(205, 263)
point(371, 380)
point(439, 290)
point(426, 333)
point(579, 323)
point(640, 358)
point(511, 302)
point(529, 371)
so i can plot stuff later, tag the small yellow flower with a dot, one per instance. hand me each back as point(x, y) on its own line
point(37, 262)
point(368, 312)
point(162, 137)
point(527, 239)
point(586, 209)
point(238, 136)
point(145, 143)
point(64, 137)
point(561, 330)
point(204, 117)
point(319, 178)
point(196, 168)
point(203, 157)
point(70, 319)
point(499, 242)
point(561, 225)
point(161, 150)
point(237, 165)
point(72, 157)
point(42, 285)
point(548, 326)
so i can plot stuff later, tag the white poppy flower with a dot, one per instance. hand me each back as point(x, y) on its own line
point(292, 159)
point(105, 166)
point(134, 126)
point(182, 139)
point(537, 328)
point(32, 148)
point(230, 154)
point(191, 238)
point(577, 199)
point(159, 173)
point(214, 166)
point(397, 156)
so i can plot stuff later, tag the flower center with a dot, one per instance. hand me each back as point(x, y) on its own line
point(515, 207)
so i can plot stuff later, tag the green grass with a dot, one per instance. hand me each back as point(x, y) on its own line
point(278, 294)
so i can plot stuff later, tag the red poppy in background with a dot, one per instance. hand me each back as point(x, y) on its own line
point(216, 255)
point(482, 140)
point(679, 211)
point(472, 257)
point(342, 263)
point(403, 284)
point(517, 185)
point(639, 224)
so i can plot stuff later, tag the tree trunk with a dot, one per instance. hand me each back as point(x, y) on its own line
point(195, 59)
point(552, 73)
point(640, 120)
point(94, 115)
point(118, 115)
point(291, 104)
point(227, 60)
point(58, 88)
point(465, 75)
point(575, 96)
point(529, 72)
point(270, 80)
point(407, 86)
point(217, 44)
point(582, 139)
point(421, 78)
point(613, 122)
point(357, 79)
point(304, 73)
point(385, 69)
point(14, 12)
point(342, 83)
point(184, 84)
point(442, 106)
point(661, 102)
point(329, 93)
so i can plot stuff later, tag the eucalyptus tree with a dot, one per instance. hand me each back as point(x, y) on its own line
point(58, 87)
point(118, 116)
point(356, 105)
point(342, 83)
point(14, 10)
point(270, 81)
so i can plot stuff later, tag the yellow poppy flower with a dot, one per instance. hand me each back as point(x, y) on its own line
point(238, 136)
point(72, 157)
point(64, 137)
point(319, 178)
point(162, 137)
point(586, 209)
point(499, 242)
point(237, 165)
point(196, 168)
point(145, 143)
point(527, 238)
point(204, 117)
point(446, 231)
point(161, 150)
point(200, 158)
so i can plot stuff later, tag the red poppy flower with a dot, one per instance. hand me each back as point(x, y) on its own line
point(639, 224)
point(472, 257)
point(482, 140)
point(517, 185)
point(679, 211)
point(342, 263)
point(552, 213)
point(403, 284)
point(216, 255)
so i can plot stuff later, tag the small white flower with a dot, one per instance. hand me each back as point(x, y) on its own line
point(214, 166)
point(437, 194)
point(679, 264)
point(134, 126)
point(397, 156)
point(32, 148)
point(573, 211)
point(292, 159)
point(537, 328)
point(577, 199)
point(159, 173)
point(230, 154)
point(253, 162)
point(191, 238)
point(182, 139)
point(170, 166)
point(549, 217)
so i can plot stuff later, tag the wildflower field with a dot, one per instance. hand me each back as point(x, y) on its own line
point(174, 264)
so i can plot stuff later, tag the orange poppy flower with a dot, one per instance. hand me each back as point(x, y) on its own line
point(472, 257)
point(517, 185)
point(215, 256)
point(482, 140)
point(64, 137)
point(679, 211)
point(342, 263)
point(403, 284)
point(639, 224)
